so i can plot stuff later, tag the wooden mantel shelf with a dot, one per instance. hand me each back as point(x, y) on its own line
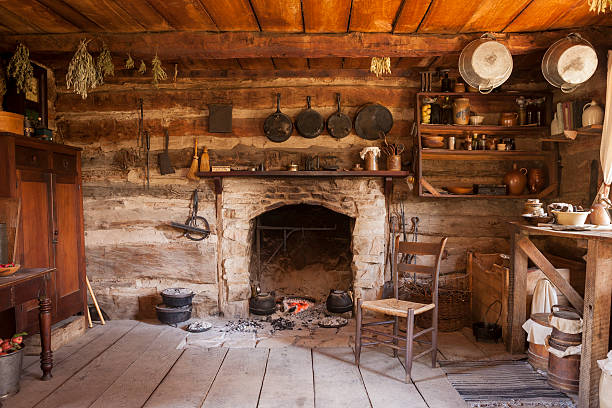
point(387, 175)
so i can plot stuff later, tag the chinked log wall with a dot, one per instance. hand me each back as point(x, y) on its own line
point(131, 254)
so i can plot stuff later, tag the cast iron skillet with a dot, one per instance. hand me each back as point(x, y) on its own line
point(338, 124)
point(278, 126)
point(309, 122)
point(371, 120)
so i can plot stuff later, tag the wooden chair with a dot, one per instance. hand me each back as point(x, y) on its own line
point(402, 308)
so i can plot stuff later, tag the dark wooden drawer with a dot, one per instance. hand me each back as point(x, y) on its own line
point(27, 157)
point(64, 163)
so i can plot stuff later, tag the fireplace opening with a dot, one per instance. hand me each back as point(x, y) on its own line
point(301, 252)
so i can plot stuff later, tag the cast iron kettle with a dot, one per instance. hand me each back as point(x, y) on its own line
point(263, 303)
point(278, 126)
point(339, 301)
point(309, 123)
point(339, 125)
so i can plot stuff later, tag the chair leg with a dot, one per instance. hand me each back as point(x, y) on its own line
point(395, 333)
point(434, 338)
point(409, 340)
point(358, 333)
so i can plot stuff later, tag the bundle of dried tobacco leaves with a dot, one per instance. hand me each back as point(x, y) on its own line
point(142, 69)
point(105, 64)
point(2, 82)
point(82, 73)
point(21, 68)
point(380, 66)
point(129, 62)
point(158, 71)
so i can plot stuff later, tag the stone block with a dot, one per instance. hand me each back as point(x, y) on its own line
point(237, 291)
point(236, 309)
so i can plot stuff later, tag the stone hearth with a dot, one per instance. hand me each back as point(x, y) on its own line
point(244, 199)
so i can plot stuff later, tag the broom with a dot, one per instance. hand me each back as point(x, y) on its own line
point(191, 174)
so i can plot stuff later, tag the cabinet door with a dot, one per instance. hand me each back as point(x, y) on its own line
point(68, 244)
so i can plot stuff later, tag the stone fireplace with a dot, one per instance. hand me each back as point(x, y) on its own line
point(359, 208)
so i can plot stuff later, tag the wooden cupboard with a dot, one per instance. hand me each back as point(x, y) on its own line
point(46, 178)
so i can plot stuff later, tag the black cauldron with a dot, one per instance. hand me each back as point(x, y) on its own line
point(339, 301)
point(263, 304)
point(172, 315)
point(177, 297)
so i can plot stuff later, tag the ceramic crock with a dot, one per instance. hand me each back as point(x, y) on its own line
point(592, 114)
point(461, 111)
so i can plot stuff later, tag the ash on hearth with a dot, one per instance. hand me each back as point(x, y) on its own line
point(243, 326)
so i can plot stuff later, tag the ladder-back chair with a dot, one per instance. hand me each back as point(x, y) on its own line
point(403, 308)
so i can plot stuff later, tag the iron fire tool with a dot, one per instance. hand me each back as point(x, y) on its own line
point(193, 226)
point(148, 149)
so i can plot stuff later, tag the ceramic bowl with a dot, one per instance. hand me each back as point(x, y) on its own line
point(571, 217)
point(476, 120)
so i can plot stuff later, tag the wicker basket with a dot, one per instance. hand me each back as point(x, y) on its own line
point(453, 300)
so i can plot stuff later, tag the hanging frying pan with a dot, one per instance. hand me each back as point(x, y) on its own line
point(338, 124)
point(278, 126)
point(309, 122)
point(371, 120)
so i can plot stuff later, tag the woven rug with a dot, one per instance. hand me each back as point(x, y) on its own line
point(502, 384)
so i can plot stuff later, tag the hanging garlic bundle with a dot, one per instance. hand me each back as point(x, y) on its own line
point(105, 66)
point(21, 68)
point(158, 71)
point(82, 73)
point(129, 62)
point(600, 6)
point(142, 69)
point(380, 66)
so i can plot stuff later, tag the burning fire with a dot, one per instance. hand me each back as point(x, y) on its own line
point(295, 305)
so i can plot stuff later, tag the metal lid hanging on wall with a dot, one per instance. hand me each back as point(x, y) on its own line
point(569, 62)
point(485, 63)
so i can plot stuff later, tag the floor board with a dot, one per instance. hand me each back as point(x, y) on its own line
point(34, 390)
point(288, 381)
point(337, 379)
point(84, 388)
point(239, 381)
point(189, 380)
point(137, 383)
point(455, 346)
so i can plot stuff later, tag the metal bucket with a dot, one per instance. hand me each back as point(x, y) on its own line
point(10, 371)
point(4, 256)
point(485, 63)
point(569, 62)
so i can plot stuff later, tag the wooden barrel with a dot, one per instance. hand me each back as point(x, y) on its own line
point(537, 355)
point(564, 373)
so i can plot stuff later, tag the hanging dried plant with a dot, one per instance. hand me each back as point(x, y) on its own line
point(142, 69)
point(158, 71)
point(82, 73)
point(104, 64)
point(2, 82)
point(600, 6)
point(129, 62)
point(380, 66)
point(21, 68)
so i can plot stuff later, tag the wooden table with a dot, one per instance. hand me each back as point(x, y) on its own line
point(23, 286)
point(595, 305)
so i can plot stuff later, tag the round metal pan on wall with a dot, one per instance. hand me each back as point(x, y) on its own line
point(278, 126)
point(309, 123)
point(339, 125)
point(485, 63)
point(569, 62)
point(372, 120)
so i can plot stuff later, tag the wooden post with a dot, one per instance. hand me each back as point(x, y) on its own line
point(517, 298)
point(596, 328)
point(44, 319)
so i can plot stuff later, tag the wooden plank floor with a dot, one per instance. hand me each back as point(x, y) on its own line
point(143, 364)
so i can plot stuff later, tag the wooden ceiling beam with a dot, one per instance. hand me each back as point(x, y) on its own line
point(207, 45)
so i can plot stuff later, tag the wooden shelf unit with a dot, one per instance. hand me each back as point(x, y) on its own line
point(591, 130)
point(503, 102)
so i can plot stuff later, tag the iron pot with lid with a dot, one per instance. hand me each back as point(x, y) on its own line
point(177, 297)
point(339, 301)
point(485, 63)
point(569, 62)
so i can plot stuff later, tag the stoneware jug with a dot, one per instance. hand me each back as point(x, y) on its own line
point(599, 215)
point(461, 111)
point(592, 114)
point(536, 180)
point(516, 180)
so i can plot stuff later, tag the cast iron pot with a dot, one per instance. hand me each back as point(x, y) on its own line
point(263, 304)
point(172, 315)
point(339, 301)
point(177, 297)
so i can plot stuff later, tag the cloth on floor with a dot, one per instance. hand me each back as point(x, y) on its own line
point(502, 384)
point(544, 297)
point(536, 333)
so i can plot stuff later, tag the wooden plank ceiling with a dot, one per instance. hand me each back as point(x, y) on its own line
point(20, 19)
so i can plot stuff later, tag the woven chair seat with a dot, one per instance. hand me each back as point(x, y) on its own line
point(395, 307)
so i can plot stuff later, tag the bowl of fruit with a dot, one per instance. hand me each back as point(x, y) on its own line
point(8, 269)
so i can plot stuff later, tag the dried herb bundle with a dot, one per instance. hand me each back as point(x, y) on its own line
point(380, 66)
point(105, 64)
point(158, 71)
point(82, 73)
point(142, 69)
point(21, 68)
point(600, 6)
point(2, 82)
point(129, 62)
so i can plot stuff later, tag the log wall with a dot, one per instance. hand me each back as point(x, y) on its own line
point(132, 254)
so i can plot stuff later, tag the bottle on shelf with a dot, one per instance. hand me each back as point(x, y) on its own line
point(475, 141)
point(482, 142)
point(445, 84)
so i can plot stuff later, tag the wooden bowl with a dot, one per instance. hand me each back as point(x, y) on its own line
point(9, 271)
point(432, 141)
point(462, 190)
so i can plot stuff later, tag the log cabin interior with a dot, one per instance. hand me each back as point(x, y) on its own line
point(210, 203)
